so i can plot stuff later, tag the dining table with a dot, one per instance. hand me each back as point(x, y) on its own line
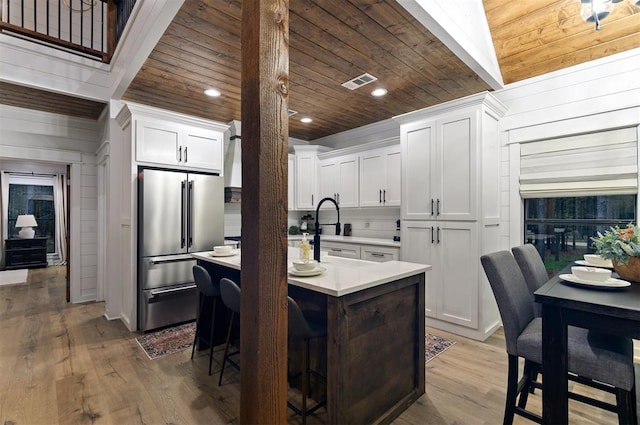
point(610, 310)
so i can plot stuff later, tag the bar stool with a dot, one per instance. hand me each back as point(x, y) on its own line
point(207, 290)
point(230, 293)
point(305, 329)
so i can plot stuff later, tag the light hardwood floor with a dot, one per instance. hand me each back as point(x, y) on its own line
point(66, 364)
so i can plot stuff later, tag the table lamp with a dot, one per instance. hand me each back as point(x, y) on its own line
point(26, 222)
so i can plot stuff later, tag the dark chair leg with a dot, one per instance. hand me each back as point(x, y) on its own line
point(195, 337)
point(213, 321)
point(512, 390)
point(529, 371)
point(226, 348)
point(625, 404)
point(305, 381)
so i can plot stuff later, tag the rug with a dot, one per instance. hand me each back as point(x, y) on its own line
point(167, 341)
point(13, 277)
point(436, 345)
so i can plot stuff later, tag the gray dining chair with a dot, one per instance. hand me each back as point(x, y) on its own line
point(230, 294)
point(603, 363)
point(208, 292)
point(533, 269)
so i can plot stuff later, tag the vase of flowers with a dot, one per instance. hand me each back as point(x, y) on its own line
point(622, 247)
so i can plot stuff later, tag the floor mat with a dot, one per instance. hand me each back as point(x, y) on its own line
point(167, 341)
point(436, 345)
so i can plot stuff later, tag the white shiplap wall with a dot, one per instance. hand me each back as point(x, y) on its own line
point(29, 135)
point(596, 96)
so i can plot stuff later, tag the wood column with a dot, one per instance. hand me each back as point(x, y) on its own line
point(265, 128)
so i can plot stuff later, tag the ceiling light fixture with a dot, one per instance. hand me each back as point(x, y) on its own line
point(79, 5)
point(379, 92)
point(596, 10)
point(306, 120)
point(212, 92)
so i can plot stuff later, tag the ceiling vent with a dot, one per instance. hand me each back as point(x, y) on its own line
point(292, 112)
point(359, 81)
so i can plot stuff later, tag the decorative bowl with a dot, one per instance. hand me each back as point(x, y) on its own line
point(222, 249)
point(597, 260)
point(305, 265)
point(593, 274)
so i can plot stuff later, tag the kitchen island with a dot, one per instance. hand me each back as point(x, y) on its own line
point(374, 354)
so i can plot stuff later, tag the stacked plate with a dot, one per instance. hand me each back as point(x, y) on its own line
point(595, 277)
point(318, 269)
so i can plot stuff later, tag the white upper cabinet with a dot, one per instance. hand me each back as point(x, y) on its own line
point(291, 181)
point(177, 142)
point(380, 173)
point(440, 174)
point(306, 172)
point(338, 179)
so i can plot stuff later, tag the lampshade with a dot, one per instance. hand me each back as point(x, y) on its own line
point(26, 220)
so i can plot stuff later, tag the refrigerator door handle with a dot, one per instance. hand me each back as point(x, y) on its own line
point(182, 217)
point(190, 215)
point(172, 290)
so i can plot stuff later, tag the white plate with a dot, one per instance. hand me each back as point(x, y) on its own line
point(223, 254)
point(609, 265)
point(306, 273)
point(609, 283)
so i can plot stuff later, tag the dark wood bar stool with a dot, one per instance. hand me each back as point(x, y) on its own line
point(208, 292)
point(230, 293)
point(305, 328)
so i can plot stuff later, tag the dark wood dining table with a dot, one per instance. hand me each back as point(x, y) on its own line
point(615, 311)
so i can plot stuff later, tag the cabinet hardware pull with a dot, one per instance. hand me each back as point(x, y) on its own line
point(311, 199)
point(384, 196)
point(377, 254)
point(338, 198)
point(185, 155)
point(432, 240)
point(438, 235)
point(431, 206)
point(438, 207)
point(179, 153)
point(380, 197)
point(336, 249)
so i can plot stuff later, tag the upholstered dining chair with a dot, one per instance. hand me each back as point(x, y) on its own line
point(208, 292)
point(230, 294)
point(609, 361)
point(305, 327)
point(533, 270)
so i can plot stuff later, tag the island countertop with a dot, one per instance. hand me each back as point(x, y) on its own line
point(342, 275)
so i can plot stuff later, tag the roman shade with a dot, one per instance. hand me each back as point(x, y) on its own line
point(603, 163)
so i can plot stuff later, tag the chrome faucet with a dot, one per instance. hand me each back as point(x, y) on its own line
point(316, 237)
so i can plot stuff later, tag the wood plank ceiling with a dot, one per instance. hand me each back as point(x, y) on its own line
point(332, 41)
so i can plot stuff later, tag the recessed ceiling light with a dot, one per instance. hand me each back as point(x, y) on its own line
point(379, 92)
point(212, 92)
point(306, 120)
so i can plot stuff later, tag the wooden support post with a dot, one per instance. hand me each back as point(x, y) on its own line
point(265, 128)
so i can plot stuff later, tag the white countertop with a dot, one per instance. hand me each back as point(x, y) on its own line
point(350, 239)
point(342, 276)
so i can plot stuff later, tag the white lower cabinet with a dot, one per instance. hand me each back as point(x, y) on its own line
point(338, 249)
point(378, 253)
point(451, 248)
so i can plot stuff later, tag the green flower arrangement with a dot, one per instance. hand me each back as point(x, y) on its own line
point(617, 244)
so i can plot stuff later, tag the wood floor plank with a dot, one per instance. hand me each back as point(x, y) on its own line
point(66, 364)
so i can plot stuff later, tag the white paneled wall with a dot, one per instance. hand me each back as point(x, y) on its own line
point(600, 95)
point(51, 138)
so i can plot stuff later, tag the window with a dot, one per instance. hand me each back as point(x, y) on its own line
point(561, 228)
point(29, 195)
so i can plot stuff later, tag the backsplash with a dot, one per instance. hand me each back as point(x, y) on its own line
point(365, 222)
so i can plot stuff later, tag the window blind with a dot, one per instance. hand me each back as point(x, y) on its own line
point(604, 163)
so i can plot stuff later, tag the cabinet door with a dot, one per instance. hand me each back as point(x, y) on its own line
point(328, 181)
point(456, 185)
point(202, 148)
point(338, 249)
point(378, 254)
point(458, 262)
point(347, 182)
point(157, 142)
point(306, 181)
point(418, 243)
point(372, 178)
point(418, 158)
point(291, 178)
point(391, 191)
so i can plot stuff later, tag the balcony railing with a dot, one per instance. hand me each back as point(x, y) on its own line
point(90, 28)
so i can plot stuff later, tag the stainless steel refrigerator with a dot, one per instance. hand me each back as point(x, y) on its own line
point(178, 213)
